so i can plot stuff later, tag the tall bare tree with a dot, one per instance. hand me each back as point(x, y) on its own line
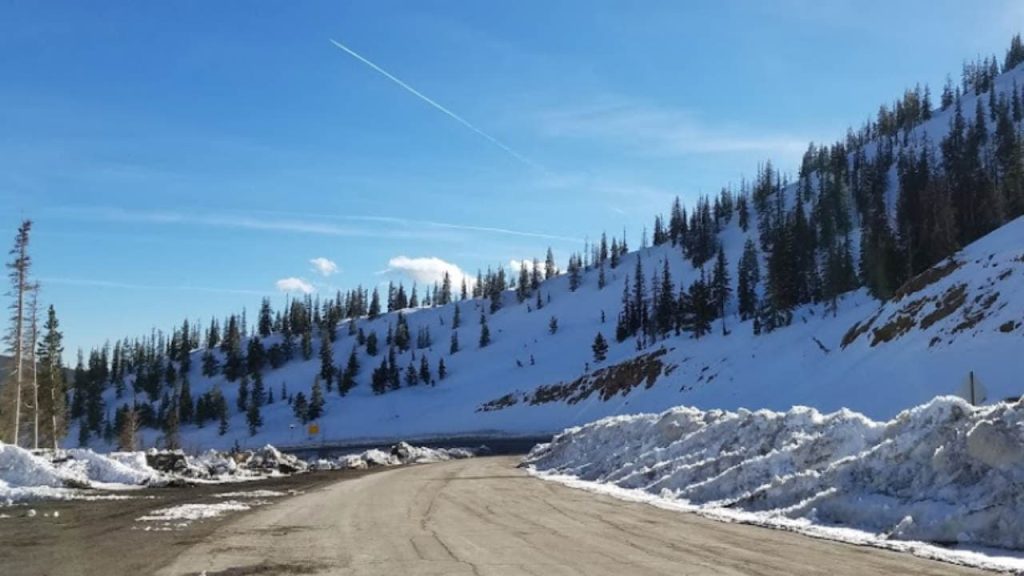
point(19, 268)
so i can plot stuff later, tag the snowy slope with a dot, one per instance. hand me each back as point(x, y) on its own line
point(803, 364)
point(876, 358)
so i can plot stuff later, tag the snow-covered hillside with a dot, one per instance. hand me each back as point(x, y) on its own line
point(967, 314)
point(964, 315)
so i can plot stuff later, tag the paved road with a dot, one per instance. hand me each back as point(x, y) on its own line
point(484, 517)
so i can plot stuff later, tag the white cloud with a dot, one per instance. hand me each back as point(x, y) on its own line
point(428, 270)
point(323, 266)
point(515, 265)
point(293, 284)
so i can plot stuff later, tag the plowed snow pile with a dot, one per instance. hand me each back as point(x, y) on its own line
point(944, 472)
point(25, 475)
point(399, 455)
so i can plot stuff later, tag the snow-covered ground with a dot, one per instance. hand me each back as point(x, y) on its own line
point(399, 455)
point(87, 475)
point(943, 473)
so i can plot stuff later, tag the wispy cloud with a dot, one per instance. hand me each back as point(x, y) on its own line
point(303, 223)
point(437, 106)
point(294, 285)
point(85, 282)
point(427, 270)
point(661, 131)
point(324, 266)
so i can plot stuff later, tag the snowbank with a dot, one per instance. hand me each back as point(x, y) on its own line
point(25, 475)
point(400, 454)
point(944, 472)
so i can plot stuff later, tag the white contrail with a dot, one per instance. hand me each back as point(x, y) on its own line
point(448, 112)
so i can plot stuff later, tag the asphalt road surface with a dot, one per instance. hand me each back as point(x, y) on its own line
point(485, 517)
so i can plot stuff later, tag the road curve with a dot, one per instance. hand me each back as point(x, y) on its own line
point(485, 517)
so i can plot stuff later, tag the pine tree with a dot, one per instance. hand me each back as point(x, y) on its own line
point(549, 265)
point(748, 277)
point(300, 407)
point(442, 370)
point(374, 311)
point(485, 332)
point(253, 418)
point(172, 428)
point(348, 376)
point(371, 344)
point(600, 348)
point(186, 408)
point(665, 303)
point(454, 343)
point(720, 288)
point(552, 325)
point(425, 375)
point(257, 394)
point(266, 321)
point(51, 379)
point(242, 402)
point(412, 377)
point(316, 401)
point(326, 359)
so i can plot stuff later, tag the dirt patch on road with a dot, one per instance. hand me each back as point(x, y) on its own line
point(104, 537)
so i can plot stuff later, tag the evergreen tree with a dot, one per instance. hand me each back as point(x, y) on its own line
point(600, 348)
point(253, 418)
point(485, 332)
point(186, 408)
point(720, 288)
point(552, 325)
point(210, 366)
point(300, 407)
point(374, 311)
point(326, 359)
point(257, 394)
point(665, 303)
point(455, 343)
point(348, 376)
point(371, 344)
point(549, 265)
point(442, 370)
point(242, 402)
point(316, 401)
point(425, 375)
point(222, 414)
point(52, 385)
point(748, 276)
point(266, 321)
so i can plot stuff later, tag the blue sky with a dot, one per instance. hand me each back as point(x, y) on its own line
point(182, 158)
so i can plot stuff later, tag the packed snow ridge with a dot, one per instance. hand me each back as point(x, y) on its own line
point(72, 474)
point(944, 472)
point(400, 454)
